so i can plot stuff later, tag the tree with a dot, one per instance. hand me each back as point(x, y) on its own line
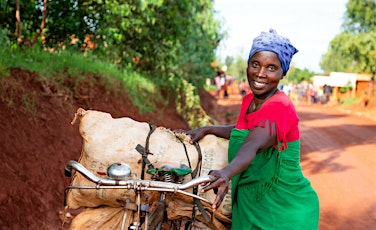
point(353, 50)
point(23, 20)
point(42, 24)
point(163, 38)
point(360, 16)
point(296, 75)
point(72, 19)
point(238, 68)
point(171, 42)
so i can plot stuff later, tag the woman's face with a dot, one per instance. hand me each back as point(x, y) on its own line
point(264, 72)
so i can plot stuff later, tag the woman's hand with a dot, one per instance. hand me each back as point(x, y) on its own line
point(195, 134)
point(220, 187)
point(219, 131)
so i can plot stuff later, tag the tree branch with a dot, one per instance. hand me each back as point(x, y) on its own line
point(43, 23)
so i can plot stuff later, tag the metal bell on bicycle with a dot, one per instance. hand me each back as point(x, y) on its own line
point(119, 171)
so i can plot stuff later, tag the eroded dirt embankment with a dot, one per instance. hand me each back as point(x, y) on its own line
point(37, 139)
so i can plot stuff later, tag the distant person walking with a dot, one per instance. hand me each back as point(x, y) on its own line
point(217, 82)
point(224, 84)
point(243, 88)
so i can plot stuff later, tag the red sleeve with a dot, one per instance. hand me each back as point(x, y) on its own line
point(279, 110)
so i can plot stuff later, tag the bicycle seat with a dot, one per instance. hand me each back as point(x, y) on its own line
point(170, 168)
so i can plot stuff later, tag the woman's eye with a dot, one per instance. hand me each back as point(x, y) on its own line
point(271, 68)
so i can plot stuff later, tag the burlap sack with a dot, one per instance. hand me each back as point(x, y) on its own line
point(178, 208)
point(104, 217)
point(107, 140)
point(181, 206)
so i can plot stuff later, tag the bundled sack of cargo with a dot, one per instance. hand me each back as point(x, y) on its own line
point(107, 140)
point(178, 213)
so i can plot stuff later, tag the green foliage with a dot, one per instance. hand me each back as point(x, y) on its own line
point(70, 18)
point(4, 36)
point(346, 88)
point(188, 104)
point(360, 16)
point(229, 61)
point(143, 91)
point(30, 13)
point(238, 68)
point(209, 87)
point(350, 101)
point(351, 53)
point(296, 75)
point(353, 50)
point(75, 65)
point(158, 37)
point(48, 64)
point(161, 40)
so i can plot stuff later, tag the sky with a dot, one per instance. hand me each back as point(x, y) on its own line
point(309, 24)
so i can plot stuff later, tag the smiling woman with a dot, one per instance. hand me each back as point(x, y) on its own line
point(268, 188)
point(264, 73)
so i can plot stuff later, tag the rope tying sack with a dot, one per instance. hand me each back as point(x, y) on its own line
point(196, 172)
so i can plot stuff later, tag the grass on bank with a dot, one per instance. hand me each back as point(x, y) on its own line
point(144, 91)
point(56, 66)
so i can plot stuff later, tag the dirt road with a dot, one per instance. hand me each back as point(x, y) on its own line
point(338, 156)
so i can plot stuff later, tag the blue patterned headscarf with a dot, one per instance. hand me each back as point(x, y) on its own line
point(271, 41)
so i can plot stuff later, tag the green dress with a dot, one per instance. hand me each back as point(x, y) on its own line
point(272, 193)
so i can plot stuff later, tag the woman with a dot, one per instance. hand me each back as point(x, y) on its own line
point(269, 190)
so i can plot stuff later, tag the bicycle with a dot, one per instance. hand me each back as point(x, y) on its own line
point(166, 183)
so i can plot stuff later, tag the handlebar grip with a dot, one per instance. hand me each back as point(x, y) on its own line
point(67, 171)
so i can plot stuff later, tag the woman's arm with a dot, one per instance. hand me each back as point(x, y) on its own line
point(199, 133)
point(257, 140)
point(223, 131)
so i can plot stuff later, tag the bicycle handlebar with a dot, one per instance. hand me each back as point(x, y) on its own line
point(135, 184)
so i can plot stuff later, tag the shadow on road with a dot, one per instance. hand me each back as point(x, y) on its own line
point(326, 135)
point(359, 221)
